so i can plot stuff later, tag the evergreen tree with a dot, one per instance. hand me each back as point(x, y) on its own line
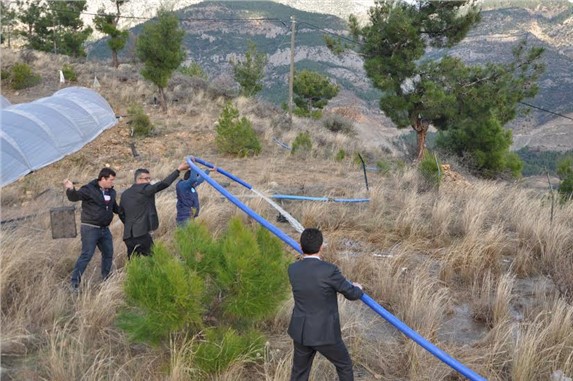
point(471, 104)
point(108, 24)
point(54, 26)
point(7, 22)
point(312, 91)
point(393, 43)
point(159, 48)
point(250, 73)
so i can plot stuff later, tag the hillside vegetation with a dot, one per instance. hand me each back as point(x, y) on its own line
point(482, 269)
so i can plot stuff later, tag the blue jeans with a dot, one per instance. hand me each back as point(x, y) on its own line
point(93, 237)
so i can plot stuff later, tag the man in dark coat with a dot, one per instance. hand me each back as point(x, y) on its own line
point(139, 214)
point(98, 206)
point(315, 322)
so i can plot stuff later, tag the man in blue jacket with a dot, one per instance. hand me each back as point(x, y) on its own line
point(315, 322)
point(138, 211)
point(98, 206)
point(187, 196)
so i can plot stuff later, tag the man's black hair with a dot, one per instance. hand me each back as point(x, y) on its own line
point(311, 241)
point(138, 173)
point(105, 173)
point(187, 175)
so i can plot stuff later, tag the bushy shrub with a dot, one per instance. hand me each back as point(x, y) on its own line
point(430, 170)
point(163, 295)
point(4, 74)
point(566, 188)
point(236, 135)
point(69, 73)
point(219, 288)
point(193, 70)
point(302, 143)
point(22, 77)
point(340, 155)
point(139, 121)
point(337, 123)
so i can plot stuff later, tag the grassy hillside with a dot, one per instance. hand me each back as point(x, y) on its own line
point(481, 269)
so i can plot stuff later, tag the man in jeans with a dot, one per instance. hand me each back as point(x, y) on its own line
point(98, 206)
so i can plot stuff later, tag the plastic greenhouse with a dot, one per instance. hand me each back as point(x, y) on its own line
point(42, 132)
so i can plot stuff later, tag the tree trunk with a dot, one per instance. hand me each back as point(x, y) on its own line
point(162, 101)
point(114, 60)
point(421, 127)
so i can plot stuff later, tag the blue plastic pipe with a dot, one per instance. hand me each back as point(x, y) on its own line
point(277, 196)
point(279, 233)
point(294, 197)
point(437, 352)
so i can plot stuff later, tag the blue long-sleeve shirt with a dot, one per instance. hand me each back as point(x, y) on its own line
point(187, 197)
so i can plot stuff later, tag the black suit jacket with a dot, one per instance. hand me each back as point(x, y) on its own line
point(315, 284)
point(137, 207)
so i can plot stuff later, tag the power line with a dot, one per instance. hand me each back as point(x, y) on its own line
point(548, 111)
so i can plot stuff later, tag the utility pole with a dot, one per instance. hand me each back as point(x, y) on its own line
point(291, 75)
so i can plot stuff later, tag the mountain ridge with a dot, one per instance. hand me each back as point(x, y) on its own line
point(213, 44)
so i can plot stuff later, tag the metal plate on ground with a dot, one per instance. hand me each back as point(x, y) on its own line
point(63, 222)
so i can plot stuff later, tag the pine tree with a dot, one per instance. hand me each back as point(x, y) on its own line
point(108, 24)
point(159, 48)
point(312, 91)
point(250, 72)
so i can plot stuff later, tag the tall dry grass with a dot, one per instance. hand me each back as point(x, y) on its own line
point(485, 263)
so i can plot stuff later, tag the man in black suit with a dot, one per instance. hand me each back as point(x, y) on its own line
point(139, 212)
point(315, 323)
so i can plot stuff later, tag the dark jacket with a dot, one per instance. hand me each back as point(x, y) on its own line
point(315, 284)
point(137, 206)
point(95, 210)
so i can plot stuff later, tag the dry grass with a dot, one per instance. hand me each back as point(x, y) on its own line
point(422, 254)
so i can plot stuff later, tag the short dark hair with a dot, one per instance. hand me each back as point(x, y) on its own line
point(138, 173)
point(310, 241)
point(105, 172)
point(187, 175)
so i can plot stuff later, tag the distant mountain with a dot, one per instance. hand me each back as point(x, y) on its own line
point(215, 36)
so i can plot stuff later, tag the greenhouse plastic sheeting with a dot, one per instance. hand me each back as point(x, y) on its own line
point(4, 102)
point(42, 132)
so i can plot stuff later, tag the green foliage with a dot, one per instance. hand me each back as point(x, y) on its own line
point(230, 284)
point(193, 70)
point(486, 144)
point(139, 121)
point(565, 167)
point(159, 48)
point(383, 166)
point(537, 162)
point(429, 168)
point(4, 74)
point(302, 143)
point(163, 296)
point(7, 22)
point(250, 73)
point(54, 26)
point(22, 77)
point(337, 123)
point(223, 346)
point(445, 93)
point(236, 136)
point(566, 188)
point(312, 91)
point(69, 73)
point(340, 155)
point(565, 173)
point(107, 23)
